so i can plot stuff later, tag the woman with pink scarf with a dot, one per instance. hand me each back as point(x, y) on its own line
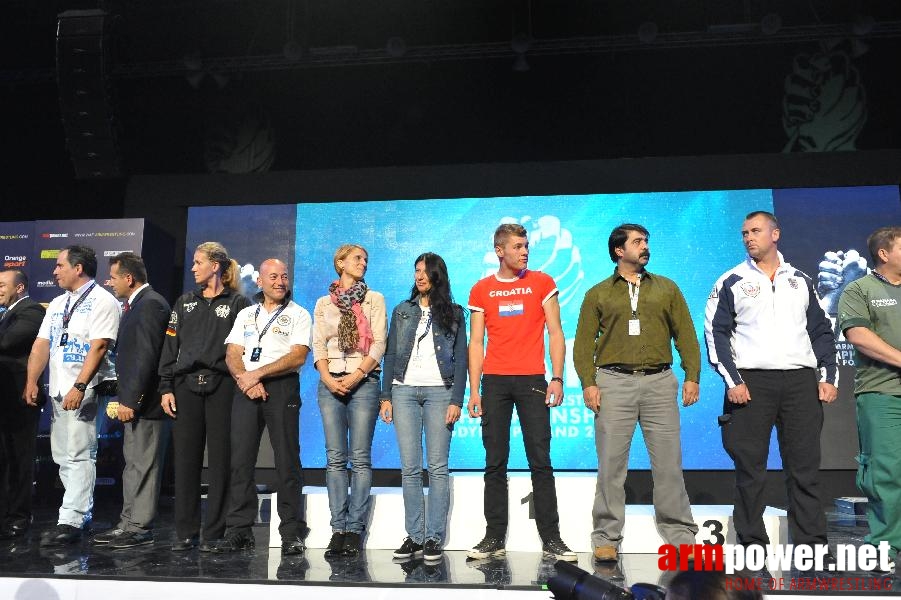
point(349, 334)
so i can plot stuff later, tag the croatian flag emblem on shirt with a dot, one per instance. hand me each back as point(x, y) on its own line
point(510, 308)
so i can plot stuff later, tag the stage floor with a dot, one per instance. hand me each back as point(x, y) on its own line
point(518, 571)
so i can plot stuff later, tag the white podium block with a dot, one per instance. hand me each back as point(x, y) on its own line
point(466, 520)
point(384, 529)
point(575, 498)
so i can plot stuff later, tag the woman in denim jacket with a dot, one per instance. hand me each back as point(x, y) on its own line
point(422, 390)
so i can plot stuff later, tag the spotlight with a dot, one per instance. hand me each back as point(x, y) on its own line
point(863, 25)
point(770, 24)
point(572, 583)
point(396, 47)
point(292, 50)
point(647, 32)
point(520, 64)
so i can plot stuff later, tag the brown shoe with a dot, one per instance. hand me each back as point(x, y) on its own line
point(606, 554)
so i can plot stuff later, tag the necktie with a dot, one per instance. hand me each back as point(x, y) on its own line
point(126, 307)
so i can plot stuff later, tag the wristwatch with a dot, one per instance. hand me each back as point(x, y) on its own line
point(559, 379)
point(81, 387)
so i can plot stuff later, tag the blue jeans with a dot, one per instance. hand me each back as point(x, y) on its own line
point(73, 443)
point(350, 418)
point(418, 410)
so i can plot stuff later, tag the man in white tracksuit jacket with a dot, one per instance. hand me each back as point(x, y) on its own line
point(772, 344)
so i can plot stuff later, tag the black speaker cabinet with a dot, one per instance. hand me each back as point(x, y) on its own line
point(86, 99)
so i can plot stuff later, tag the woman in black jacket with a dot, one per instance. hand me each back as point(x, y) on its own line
point(197, 392)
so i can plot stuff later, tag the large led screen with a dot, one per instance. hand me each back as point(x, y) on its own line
point(695, 237)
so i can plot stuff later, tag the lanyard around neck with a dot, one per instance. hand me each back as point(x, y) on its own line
point(275, 315)
point(67, 314)
point(633, 294)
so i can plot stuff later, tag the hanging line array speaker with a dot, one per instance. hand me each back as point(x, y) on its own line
point(86, 98)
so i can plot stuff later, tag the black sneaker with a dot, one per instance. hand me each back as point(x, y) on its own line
point(233, 542)
point(488, 547)
point(352, 547)
point(107, 536)
point(293, 546)
point(61, 535)
point(432, 550)
point(333, 550)
point(130, 539)
point(409, 549)
point(435, 571)
point(556, 549)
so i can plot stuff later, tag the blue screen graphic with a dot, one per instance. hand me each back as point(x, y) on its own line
point(694, 238)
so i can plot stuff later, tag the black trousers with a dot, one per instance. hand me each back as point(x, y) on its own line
point(280, 413)
point(500, 394)
point(789, 400)
point(18, 435)
point(202, 421)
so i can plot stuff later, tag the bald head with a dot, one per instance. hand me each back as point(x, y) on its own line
point(273, 281)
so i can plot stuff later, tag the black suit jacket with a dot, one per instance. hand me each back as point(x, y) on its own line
point(138, 345)
point(18, 329)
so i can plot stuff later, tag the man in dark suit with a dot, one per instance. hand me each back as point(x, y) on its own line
point(145, 315)
point(19, 325)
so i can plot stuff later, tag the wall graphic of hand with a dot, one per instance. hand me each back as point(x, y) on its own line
point(836, 271)
point(824, 108)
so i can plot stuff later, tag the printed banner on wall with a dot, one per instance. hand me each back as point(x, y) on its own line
point(17, 245)
point(107, 237)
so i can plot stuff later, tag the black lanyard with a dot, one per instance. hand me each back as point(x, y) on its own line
point(67, 314)
point(256, 315)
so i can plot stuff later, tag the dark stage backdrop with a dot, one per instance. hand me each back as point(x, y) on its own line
point(694, 238)
point(824, 233)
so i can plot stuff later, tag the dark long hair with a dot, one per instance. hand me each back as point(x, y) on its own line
point(441, 301)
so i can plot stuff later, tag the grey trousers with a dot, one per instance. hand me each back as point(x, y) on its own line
point(649, 400)
point(144, 448)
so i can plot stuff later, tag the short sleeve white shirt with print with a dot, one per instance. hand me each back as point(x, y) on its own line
point(293, 327)
point(96, 317)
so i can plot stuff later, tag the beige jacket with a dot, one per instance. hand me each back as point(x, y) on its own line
point(325, 333)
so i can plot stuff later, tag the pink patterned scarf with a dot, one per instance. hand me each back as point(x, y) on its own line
point(354, 332)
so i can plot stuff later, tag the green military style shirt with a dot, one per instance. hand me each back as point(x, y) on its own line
point(602, 336)
point(874, 303)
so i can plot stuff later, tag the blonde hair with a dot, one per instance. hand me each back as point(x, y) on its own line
point(228, 267)
point(343, 252)
point(506, 231)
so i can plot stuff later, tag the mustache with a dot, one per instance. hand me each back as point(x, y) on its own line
point(645, 254)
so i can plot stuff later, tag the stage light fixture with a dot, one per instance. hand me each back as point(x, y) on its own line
point(863, 25)
point(521, 64)
point(396, 47)
point(572, 583)
point(770, 24)
point(647, 32)
point(292, 50)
